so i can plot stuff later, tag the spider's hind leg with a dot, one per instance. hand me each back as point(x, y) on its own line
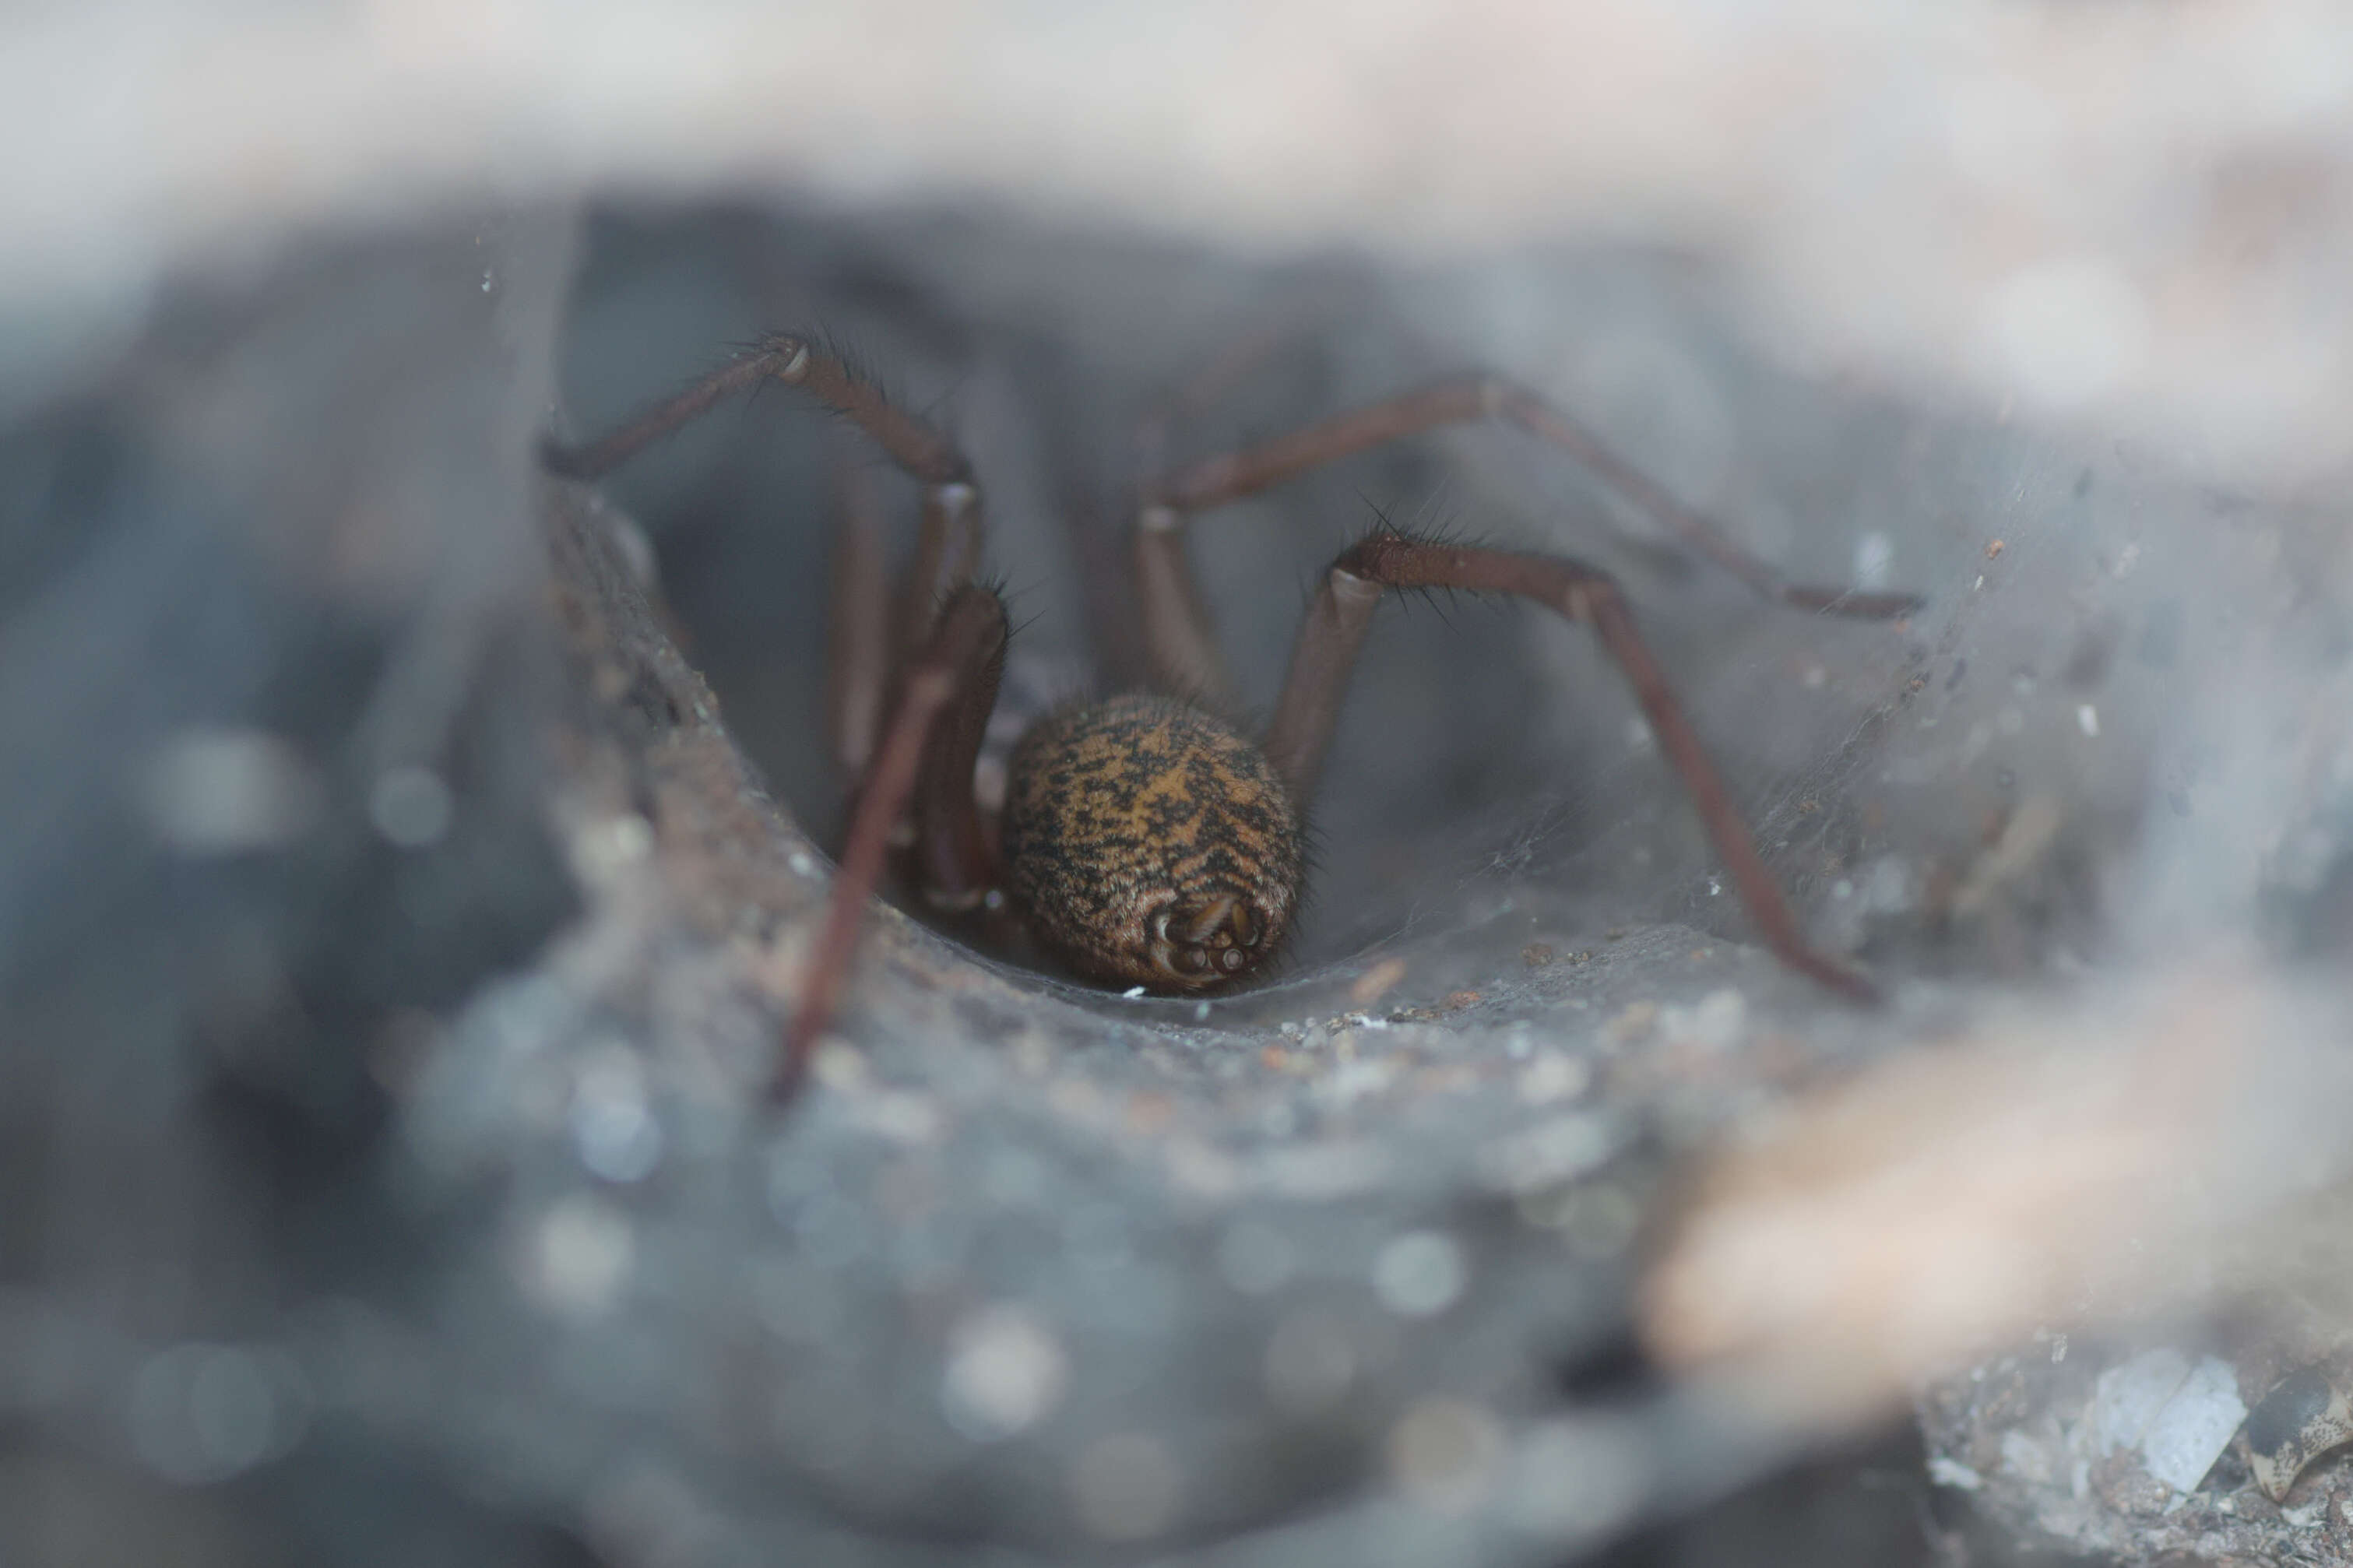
point(1232, 476)
point(1342, 611)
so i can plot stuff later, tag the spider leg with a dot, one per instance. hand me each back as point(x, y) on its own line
point(858, 640)
point(1300, 314)
point(925, 453)
point(1180, 649)
point(594, 460)
point(947, 551)
point(951, 645)
point(925, 762)
point(948, 554)
point(1335, 629)
point(1178, 644)
point(1230, 476)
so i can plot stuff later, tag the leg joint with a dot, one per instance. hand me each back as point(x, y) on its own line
point(1351, 589)
point(954, 498)
point(1386, 558)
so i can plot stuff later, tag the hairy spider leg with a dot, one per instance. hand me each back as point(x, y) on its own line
point(947, 659)
point(858, 652)
point(925, 760)
point(1181, 651)
point(925, 453)
point(1298, 314)
point(1334, 630)
point(1177, 639)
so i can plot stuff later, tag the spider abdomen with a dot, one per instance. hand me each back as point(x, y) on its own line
point(1151, 843)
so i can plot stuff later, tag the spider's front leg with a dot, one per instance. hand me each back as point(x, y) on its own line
point(935, 674)
point(925, 763)
point(1335, 630)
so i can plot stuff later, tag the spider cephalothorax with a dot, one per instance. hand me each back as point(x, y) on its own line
point(1144, 841)
point(1150, 844)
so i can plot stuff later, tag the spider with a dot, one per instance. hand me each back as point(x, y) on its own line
point(1147, 840)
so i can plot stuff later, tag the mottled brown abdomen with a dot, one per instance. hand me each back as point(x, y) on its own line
point(1151, 843)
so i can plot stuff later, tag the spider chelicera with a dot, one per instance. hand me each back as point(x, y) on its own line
point(1147, 840)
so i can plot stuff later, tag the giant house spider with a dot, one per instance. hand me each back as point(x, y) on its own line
point(1147, 839)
